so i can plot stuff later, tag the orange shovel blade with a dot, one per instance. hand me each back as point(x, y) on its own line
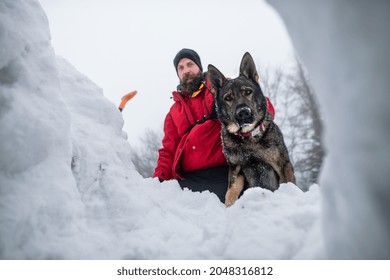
point(126, 98)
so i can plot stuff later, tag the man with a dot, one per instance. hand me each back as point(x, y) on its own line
point(191, 147)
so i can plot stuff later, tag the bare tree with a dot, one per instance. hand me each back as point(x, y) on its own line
point(145, 158)
point(312, 163)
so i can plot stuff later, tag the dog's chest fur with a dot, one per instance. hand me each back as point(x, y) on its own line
point(241, 150)
point(256, 149)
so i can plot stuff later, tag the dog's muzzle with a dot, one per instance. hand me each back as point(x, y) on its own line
point(244, 115)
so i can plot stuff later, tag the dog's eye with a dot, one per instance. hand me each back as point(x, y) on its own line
point(228, 97)
point(247, 92)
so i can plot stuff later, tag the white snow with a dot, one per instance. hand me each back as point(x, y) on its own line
point(348, 60)
point(68, 188)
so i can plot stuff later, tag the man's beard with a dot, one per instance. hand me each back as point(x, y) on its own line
point(191, 83)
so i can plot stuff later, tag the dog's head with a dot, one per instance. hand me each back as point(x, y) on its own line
point(241, 105)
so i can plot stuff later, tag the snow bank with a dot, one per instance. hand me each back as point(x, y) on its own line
point(68, 188)
point(35, 144)
point(347, 57)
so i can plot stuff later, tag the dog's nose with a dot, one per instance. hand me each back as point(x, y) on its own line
point(244, 114)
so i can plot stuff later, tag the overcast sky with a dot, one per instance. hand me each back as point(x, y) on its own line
point(130, 45)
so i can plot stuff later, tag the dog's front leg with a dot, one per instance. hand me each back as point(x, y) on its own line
point(288, 173)
point(285, 171)
point(280, 163)
point(236, 185)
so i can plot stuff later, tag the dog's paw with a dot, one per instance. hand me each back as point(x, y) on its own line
point(229, 203)
point(236, 188)
point(230, 198)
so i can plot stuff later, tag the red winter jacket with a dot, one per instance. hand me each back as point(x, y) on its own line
point(197, 149)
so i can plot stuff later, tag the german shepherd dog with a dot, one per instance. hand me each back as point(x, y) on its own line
point(252, 143)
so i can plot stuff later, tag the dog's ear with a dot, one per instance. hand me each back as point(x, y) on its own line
point(217, 79)
point(248, 68)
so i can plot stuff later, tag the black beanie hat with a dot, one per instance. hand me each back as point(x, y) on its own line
point(190, 54)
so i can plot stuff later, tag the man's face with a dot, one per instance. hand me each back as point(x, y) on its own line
point(187, 70)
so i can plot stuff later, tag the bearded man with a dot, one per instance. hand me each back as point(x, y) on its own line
point(191, 150)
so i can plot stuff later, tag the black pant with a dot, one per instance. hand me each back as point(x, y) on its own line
point(214, 179)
